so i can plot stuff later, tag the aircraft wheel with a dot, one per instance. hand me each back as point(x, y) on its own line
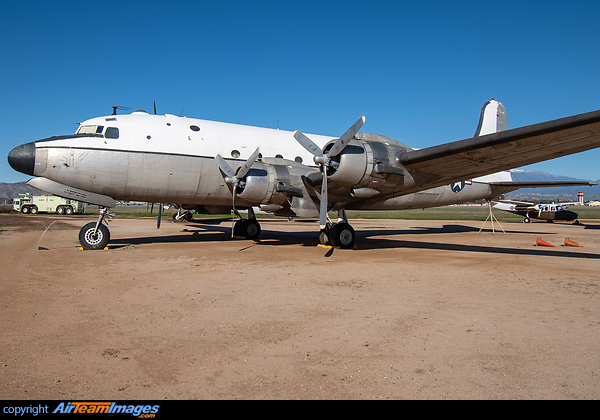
point(323, 237)
point(88, 240)
point(247, 228)
point(342, 235)
point(238, 228)
point(251, 229)
point(527, 220)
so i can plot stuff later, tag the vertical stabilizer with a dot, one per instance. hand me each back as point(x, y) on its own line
point(493, 118)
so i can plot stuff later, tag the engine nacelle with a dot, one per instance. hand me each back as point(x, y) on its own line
point(269, 182)
point(259, 185)
point(368, 165)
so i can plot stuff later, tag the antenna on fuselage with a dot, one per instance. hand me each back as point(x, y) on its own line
point(122, 108)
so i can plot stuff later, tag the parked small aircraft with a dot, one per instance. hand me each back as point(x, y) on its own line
point(548, 212)
point(190, 162)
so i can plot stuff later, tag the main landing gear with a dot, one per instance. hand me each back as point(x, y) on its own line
point(95, 235)
point(339, 234)
point(246, 228)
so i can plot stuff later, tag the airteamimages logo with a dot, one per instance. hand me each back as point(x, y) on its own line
point(142, 411)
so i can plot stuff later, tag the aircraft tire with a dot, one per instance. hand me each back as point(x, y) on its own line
point(88, 240)
point(342, 235)
point(247, 228)
point(251, 229)
point(323, 237)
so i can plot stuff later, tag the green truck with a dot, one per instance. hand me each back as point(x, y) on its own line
point(32, 204)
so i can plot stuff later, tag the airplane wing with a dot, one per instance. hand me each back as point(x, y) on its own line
point(511, 205)
point(504, 187)
point(516, 203)
point(482, 155)
point(542, 184)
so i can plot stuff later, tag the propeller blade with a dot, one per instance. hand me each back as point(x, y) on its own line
point(307, 143)
point(233, 213)
point(323, 204)
point(225, 168)
point(243, 170)
point(346, 137)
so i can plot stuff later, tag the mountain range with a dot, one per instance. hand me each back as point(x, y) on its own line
point(8, 190)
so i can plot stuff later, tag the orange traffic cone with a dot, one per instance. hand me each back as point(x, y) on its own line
point(569, 242)
point(539, 242)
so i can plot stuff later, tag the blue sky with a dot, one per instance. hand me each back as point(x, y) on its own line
point(419, 71)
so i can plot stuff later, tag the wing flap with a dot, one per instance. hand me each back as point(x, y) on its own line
point(482, 155)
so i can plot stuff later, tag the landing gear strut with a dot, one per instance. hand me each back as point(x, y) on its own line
point(339, 234)
point(183, 215)
point(96, 235)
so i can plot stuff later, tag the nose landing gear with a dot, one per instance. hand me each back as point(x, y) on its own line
point(95, 235)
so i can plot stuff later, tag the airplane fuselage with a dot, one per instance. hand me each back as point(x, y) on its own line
point(170, 159)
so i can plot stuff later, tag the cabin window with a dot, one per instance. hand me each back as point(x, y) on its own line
point(112, 133)
point(194, 128)
point(298, 159)
point(235, 154)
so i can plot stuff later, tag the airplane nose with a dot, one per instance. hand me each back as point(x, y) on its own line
point(22, 158)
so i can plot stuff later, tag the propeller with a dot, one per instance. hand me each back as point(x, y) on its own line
point(236, 178)
point(324, 160)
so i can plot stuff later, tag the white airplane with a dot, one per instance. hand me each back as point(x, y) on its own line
point(548, 212)
point(190, 162)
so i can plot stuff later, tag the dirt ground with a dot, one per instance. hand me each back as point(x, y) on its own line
point(418, 310)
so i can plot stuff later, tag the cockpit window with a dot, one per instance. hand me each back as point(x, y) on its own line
point(87, 129)
point(111, 133)
point(90, 129)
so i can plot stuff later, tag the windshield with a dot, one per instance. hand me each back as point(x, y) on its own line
point(110, 133)
point(90, 129)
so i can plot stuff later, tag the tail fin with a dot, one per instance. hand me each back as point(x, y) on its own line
point(493, 118)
